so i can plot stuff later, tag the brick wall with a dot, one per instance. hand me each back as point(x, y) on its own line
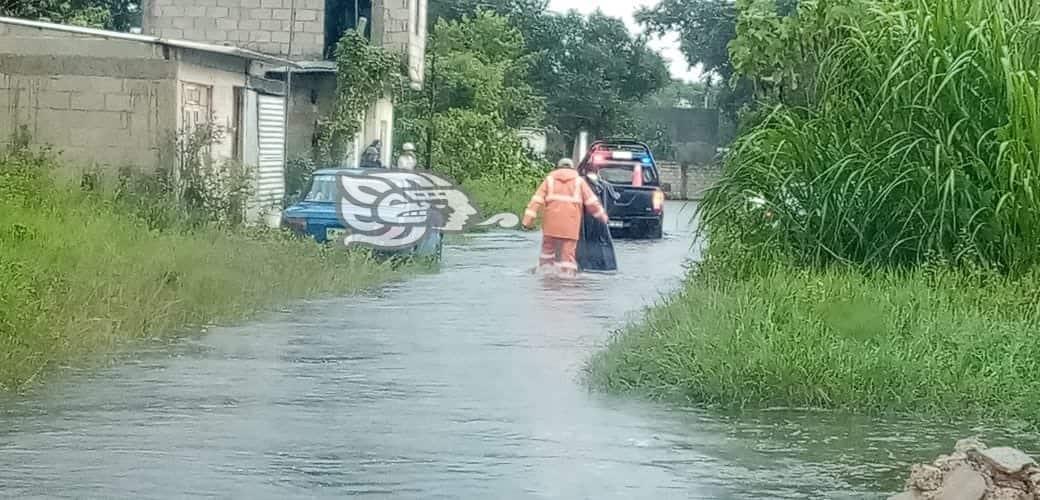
point(400, 26)
point(261, 25)
point(106, 101)
point(693, 133)
point(114, 121)
point(687, 182)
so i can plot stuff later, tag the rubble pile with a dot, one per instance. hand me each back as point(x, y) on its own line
point(975, 472)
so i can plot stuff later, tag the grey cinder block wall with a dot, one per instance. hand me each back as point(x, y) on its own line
point(261, 25)
point(99, 101)
point(688, 181)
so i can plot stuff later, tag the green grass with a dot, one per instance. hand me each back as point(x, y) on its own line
point(81, 277)
point(493, 195)
point(923, 342)
point(898, 270)
point(919, 140)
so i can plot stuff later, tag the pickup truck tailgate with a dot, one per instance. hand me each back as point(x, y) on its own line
point(632, 202)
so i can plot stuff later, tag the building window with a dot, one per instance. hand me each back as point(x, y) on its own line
point(341, 16)
point(196, 110)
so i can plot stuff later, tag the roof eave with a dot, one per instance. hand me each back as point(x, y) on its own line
point(230, 50)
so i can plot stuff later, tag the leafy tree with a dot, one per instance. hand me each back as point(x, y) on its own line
point(453, 10)
point(706, 31)
point(592, 71)
point(477, 71)
point(678, 94)
point(481, 65)
point(106, 14)
point(705, 28)
point(472, 145)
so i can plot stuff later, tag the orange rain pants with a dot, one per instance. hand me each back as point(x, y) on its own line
point(563, 195)
point(559, 252)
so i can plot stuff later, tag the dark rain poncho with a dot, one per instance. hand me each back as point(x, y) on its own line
point(595, 246)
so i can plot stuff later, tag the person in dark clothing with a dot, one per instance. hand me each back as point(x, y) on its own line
point(595, 245)
point(370, 157)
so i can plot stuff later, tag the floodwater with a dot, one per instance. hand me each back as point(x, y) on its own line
point(460, 384)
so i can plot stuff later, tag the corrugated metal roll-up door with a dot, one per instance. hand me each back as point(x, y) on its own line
point(270, 175)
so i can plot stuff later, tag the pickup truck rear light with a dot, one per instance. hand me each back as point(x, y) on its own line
point(658, 201)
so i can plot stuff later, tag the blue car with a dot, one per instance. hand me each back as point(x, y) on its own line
point(316, 216)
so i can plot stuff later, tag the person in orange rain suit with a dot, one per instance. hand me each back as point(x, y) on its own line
point(563, 195)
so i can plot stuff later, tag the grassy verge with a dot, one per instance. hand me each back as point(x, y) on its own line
point(493, 196)
point(929, 342)
point(906, 139)
point(81, 276)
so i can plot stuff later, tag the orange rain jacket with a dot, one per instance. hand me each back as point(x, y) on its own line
point(563, 194)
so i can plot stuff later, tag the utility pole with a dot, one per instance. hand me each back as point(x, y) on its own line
point(433, 108)
point(288, 86)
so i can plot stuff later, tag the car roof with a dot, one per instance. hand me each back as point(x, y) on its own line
point(615, 142)
point(334, 171)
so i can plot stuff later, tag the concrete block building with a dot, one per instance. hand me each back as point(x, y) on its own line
point(305, 31)
point(261, 69)
point(116, 100)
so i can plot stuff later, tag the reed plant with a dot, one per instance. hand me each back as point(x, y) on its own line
point(920, 142)
point(873, 244)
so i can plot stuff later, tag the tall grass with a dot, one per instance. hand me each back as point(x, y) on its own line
point(920, 342)
point(921, 142)
point(81, 276)
point(898, 269)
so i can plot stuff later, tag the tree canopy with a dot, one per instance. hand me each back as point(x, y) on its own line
point(705, 28)
point(591, 71)
point(107, 14)
point(479, 63)
point(707, 31)
point(477, 73)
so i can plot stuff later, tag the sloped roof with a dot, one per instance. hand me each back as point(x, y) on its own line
point(229, 50)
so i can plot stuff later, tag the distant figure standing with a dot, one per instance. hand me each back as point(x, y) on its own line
point(564, 195)
point(407, 159)
point(370, 158)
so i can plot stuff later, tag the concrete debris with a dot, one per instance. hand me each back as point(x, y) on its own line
point(1004, 459)
point(975, 472)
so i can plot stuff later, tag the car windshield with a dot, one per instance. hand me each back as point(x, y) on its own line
point(621, 173)
point(323, 189)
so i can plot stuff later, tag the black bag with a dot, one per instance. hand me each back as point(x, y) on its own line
point(595, 245)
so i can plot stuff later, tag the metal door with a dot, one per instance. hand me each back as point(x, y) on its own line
point(270, 175)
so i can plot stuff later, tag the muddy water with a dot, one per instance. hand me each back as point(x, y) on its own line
point(460, 384)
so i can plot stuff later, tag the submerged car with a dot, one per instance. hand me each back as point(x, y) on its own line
point(317, 215)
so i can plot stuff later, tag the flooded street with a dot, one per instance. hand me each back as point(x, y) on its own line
point(459, 384)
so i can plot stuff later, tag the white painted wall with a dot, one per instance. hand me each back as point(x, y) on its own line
point(222, 74)
point(379, 124)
